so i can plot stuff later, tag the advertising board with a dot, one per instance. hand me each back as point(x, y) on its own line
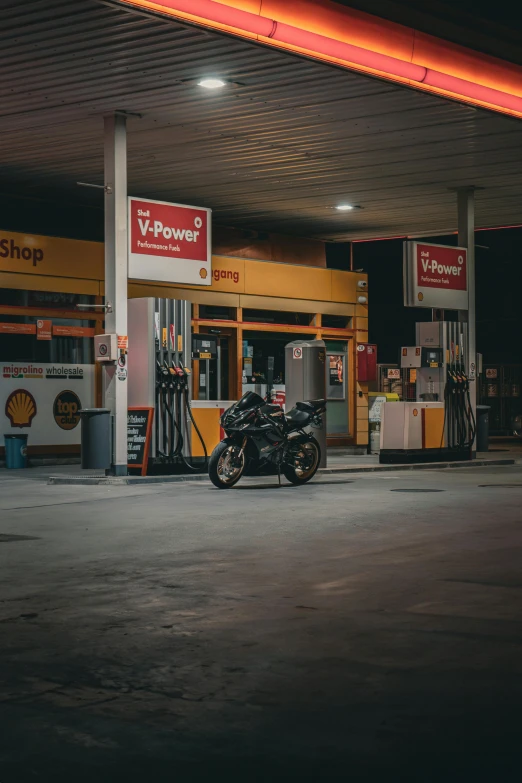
point(169, 243)
point(43, 400)
point(435, 276)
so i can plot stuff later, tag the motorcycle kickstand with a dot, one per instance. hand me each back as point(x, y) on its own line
point(279, 474)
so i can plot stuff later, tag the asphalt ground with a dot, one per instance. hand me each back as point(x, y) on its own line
point(363, 627)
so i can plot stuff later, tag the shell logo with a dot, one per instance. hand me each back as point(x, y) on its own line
point(203, 273)
point(415, 412)
point(20, 408)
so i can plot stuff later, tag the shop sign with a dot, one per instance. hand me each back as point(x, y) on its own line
point(44, 329)
point(41, 255)
point(73, 331)
point(22, 251)
point(9, 328)
point(39, 397)
point(435, 276)
point(169, 243)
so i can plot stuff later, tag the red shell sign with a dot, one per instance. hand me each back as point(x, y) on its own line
point(441, 267)
point(435, 276)
point(169, 242)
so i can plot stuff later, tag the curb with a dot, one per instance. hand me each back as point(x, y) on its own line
point(476, 463)
point(133, 480)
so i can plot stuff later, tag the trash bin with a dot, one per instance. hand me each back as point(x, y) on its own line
point(15, 451)
point(483, 427)
point(96, 437)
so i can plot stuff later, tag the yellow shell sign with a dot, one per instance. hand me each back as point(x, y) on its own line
point(20, 408)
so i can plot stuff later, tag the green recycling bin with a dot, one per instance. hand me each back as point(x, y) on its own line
point(15, 451)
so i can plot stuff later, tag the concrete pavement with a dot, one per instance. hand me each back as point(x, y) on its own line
point(361, 628)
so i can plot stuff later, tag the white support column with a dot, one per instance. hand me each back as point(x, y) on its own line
point(115, 389)
point(466, 224)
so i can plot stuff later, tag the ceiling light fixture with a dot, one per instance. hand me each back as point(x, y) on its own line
point(344, 207)
point(211, 84)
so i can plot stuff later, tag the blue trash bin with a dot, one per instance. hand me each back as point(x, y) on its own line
point(15, 451)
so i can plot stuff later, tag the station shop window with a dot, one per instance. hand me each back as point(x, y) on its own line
point(277, 317)
point(47, 300)
point(258, 347)
point(216, 313)
point(65, 350)
point(337, 321)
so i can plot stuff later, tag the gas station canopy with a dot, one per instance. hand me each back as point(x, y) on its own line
point(284, 142)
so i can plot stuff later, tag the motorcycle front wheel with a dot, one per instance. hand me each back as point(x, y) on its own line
point(226, 465)
point(302, 461)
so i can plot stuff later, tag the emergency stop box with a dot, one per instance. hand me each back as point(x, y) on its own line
point(105, 347)
point(366, 362)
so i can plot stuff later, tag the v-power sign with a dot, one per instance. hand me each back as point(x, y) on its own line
point(169, 242)
point(435, 276)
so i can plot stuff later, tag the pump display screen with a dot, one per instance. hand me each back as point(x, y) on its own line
point(431, 357)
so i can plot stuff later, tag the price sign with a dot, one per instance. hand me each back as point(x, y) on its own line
point(139, 432)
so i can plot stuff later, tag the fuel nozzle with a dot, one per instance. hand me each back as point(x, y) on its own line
point(162, 377)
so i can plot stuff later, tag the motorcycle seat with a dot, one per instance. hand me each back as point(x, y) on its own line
point(310, 405)
point(297, 418)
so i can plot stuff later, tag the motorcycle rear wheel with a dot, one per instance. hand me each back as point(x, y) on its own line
point(307, 457)
point(222, 470)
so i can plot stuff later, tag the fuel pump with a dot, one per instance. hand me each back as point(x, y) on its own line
point(439, 361)
point(160, 346)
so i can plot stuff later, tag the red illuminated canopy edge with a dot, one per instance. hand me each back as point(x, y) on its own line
point(227, 16)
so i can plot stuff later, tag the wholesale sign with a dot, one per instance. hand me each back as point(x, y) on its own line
point(435, 276)
point(43, 400)
point(169, 242)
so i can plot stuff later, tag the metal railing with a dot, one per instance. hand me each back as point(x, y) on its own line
point(392, 379)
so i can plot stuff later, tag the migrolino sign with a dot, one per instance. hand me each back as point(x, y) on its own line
point(49, 371)
point(47, 398)
point(169, 242)
point(435, 276)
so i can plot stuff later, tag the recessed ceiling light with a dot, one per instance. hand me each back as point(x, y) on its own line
point(344, 207)
point(211, 84)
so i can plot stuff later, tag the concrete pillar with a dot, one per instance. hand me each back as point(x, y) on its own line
point(466, 225)
point(114, 388)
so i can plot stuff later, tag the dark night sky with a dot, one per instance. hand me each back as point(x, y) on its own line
point(492, 28)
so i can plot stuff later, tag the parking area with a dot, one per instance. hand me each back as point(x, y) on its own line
point(365, 626)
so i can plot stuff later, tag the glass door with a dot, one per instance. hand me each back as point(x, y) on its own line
point(337, 409)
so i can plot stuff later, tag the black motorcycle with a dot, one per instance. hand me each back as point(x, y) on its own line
point(261, 434)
